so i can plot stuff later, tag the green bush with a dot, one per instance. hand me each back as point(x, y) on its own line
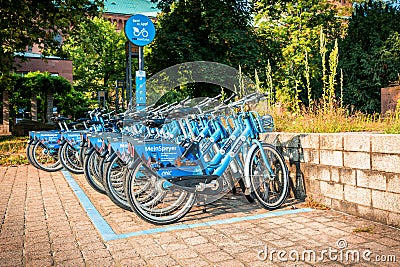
point(370, 54)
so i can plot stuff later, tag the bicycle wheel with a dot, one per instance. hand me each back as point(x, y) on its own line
point(269, 180)
point(45, 158)
point(102, 163)
point(91, 170)
point(69, 157)
point(82, 153)
point(154, 199)
point(113, 181)
point(29, 154)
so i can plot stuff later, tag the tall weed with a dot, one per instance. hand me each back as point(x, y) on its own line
point(333, 120)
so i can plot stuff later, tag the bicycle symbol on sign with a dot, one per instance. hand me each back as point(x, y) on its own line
point(136, 32)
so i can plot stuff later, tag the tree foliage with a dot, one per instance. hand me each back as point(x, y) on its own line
point(74, 103)
point(369, 55)
point(204, 30)
point(38, 84)
point(27, 22)
point(98, 54)
point(291, 34)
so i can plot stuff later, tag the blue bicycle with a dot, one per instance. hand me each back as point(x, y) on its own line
point(165, 178)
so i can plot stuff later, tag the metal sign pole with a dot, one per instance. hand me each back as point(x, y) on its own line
point(141, 82)
point(140, 31)
point(141, 58)
point(129, 91)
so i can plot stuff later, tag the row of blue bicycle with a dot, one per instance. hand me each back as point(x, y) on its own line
point(161, 161)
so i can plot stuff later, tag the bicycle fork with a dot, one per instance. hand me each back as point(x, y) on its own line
point(248, 164)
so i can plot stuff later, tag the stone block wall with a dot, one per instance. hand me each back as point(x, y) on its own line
point(357, 173)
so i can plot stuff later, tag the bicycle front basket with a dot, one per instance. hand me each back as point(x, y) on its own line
point(267, 124)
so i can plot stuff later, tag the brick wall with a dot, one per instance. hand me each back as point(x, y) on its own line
point(357, 173)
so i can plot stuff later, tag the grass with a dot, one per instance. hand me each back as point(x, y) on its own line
point(312, 203)
point(306, 120)
point(366, 229)
point(12, 150)
point(332, 120)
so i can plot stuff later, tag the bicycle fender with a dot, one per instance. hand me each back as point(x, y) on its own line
point(247, 168)
point(62, 141)
point(88, 151)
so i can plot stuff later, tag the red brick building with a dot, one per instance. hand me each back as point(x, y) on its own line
point(34, 62)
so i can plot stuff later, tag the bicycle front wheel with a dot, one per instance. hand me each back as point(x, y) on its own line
point(113, 181)
point(269, 177)
point(29, 152)
point(45, 158)
point(154, 199)
point(69, 157)
point(91, 170)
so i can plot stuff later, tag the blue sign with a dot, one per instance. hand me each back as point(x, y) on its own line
point(140, 30)
point(140, 89)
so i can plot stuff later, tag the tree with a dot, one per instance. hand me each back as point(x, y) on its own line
point(98, 54)
point(291, 32)
point(75, 103)
point(204, 30)
point(41, 85)
point(37, 22)
point(27, 22)
point(369, 54)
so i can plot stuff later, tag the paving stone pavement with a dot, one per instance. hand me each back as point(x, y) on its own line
point(43, 223)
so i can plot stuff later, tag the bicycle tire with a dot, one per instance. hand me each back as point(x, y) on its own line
point(29, 151)
point(156, 213)
point(69, 157)
point(270, 190)
point(82, 153)
point(102, 162)
point(250, 198)
point(45, 158)
point(90, 170)
point(113, 181)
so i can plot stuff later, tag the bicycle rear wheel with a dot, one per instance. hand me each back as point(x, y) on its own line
point(154, 199)
point(269, 179)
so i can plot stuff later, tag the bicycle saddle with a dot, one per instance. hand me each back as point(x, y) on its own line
point(154, 123)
